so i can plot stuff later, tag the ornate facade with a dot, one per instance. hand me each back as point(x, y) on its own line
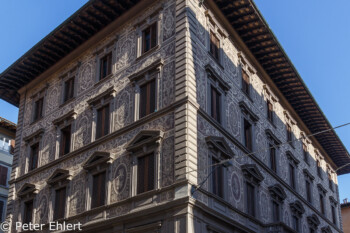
point(211, 133)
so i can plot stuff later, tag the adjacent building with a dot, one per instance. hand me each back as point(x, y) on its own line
point(169, 116)
point(345, 214)
point(7, 146)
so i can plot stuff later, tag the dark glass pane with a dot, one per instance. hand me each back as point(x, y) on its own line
point(308, 191)
point(321, 204)
point(28, 212)
point(146, 39)
point(106, 120)
point(291, 176)
point(1, 210)
point(269, 111)
point(145, 173)
point(143, 101)
point(214, 46)
point(245, 83)
point(154, 35)
point(98, 190)
point(152, 96)
point(250, 199)
point(150, 172)
point(140, 175)
point(33, 161)
point(273, 158)
point(275, 211)
point(60, 203)
point(217, 178)
point(247, 135)
point(3, 176)
point(65, 140)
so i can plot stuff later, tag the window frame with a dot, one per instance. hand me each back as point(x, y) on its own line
point(99, 162)
point(149, 96)
point(297, 210)
point(101, 53)
point(60, 124)
point(278, 195)
point(155, 18)
point(149, 73)
point(334, 210)
point(34, 98)
point(218, 150)
point(27, 193)
point(217, 56)
point(293, 164)
point(59, 179)
point(221, 87)
point(70, 75)
point(144, 143)
point(107, 97)
point(273, 144)
point(4, 174)
point(253, 178)
point(247, 116)
point(31, 140)
point(309, 178)
point(105, 121)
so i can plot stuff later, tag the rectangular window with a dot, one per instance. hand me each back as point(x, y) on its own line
point(98, 190)
point(248, 135)
point(305, 154)
point(289, 134)
point(251, 199)
point(68, 89)
point(145, 173)
point(330, 182)
point(308, 191)
point(275, 211)
point(65, 140)
point(3, 175)
point(334, 220)
point(245, 83)
point(312, 230)
point(322, 204)
point(273, 164)
point(147, 98)
point(214, 46)
point(291, 176)
point(319, 169)
point(38, 109)
point(34, 156)
point(102, 126)
point(105, 66)
point(215, 104)
point(28, 212)
point(217, 178)
point(60, 203)
point(295, 223)
point(149, 38)
point(269, 111)
point(1, 210)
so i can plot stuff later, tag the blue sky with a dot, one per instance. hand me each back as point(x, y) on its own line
point(314, 34)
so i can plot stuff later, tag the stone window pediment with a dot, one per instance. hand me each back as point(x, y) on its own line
point(269, 95)
point(103, 97)
point(97, 159)
point(212, 74)
point(333, 201)
point(34, 137)
point(63, 120)
point(59, 176)
point(219, 144)
point(277, 192)
point(246, 66)
point(304, 138)
point(288, 118)
point(144, 140)
point(326, 229)
point(297, 208)
point(271, 137)
point(247, 112)
point(313, 221)
point(321, 189)
point(147, 72)
point(308, 175)
point(27, 190)
point(292, 158)
point(252, 173)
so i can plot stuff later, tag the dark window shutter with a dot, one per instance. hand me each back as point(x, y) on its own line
point(60, 203)
point(143, 101)
point(248, 135)
point(140, 175)
point(98, 190)
point(153, 35)
point(1, 210)
point(3, 175)
point(250, 199)
point(109, 64)
point(28, 212)
point(106, 120)
point(152, 95)
point(273, 158)
point(150, 172)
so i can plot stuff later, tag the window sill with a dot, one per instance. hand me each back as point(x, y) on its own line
point(145, 54)
point(67, 102)
point(103, 80)
point(247, 95)
point(36, 121)
point(216, 60)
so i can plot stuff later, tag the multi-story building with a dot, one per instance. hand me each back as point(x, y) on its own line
point(7, 145)
point(345, 214)
point(169, 116)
